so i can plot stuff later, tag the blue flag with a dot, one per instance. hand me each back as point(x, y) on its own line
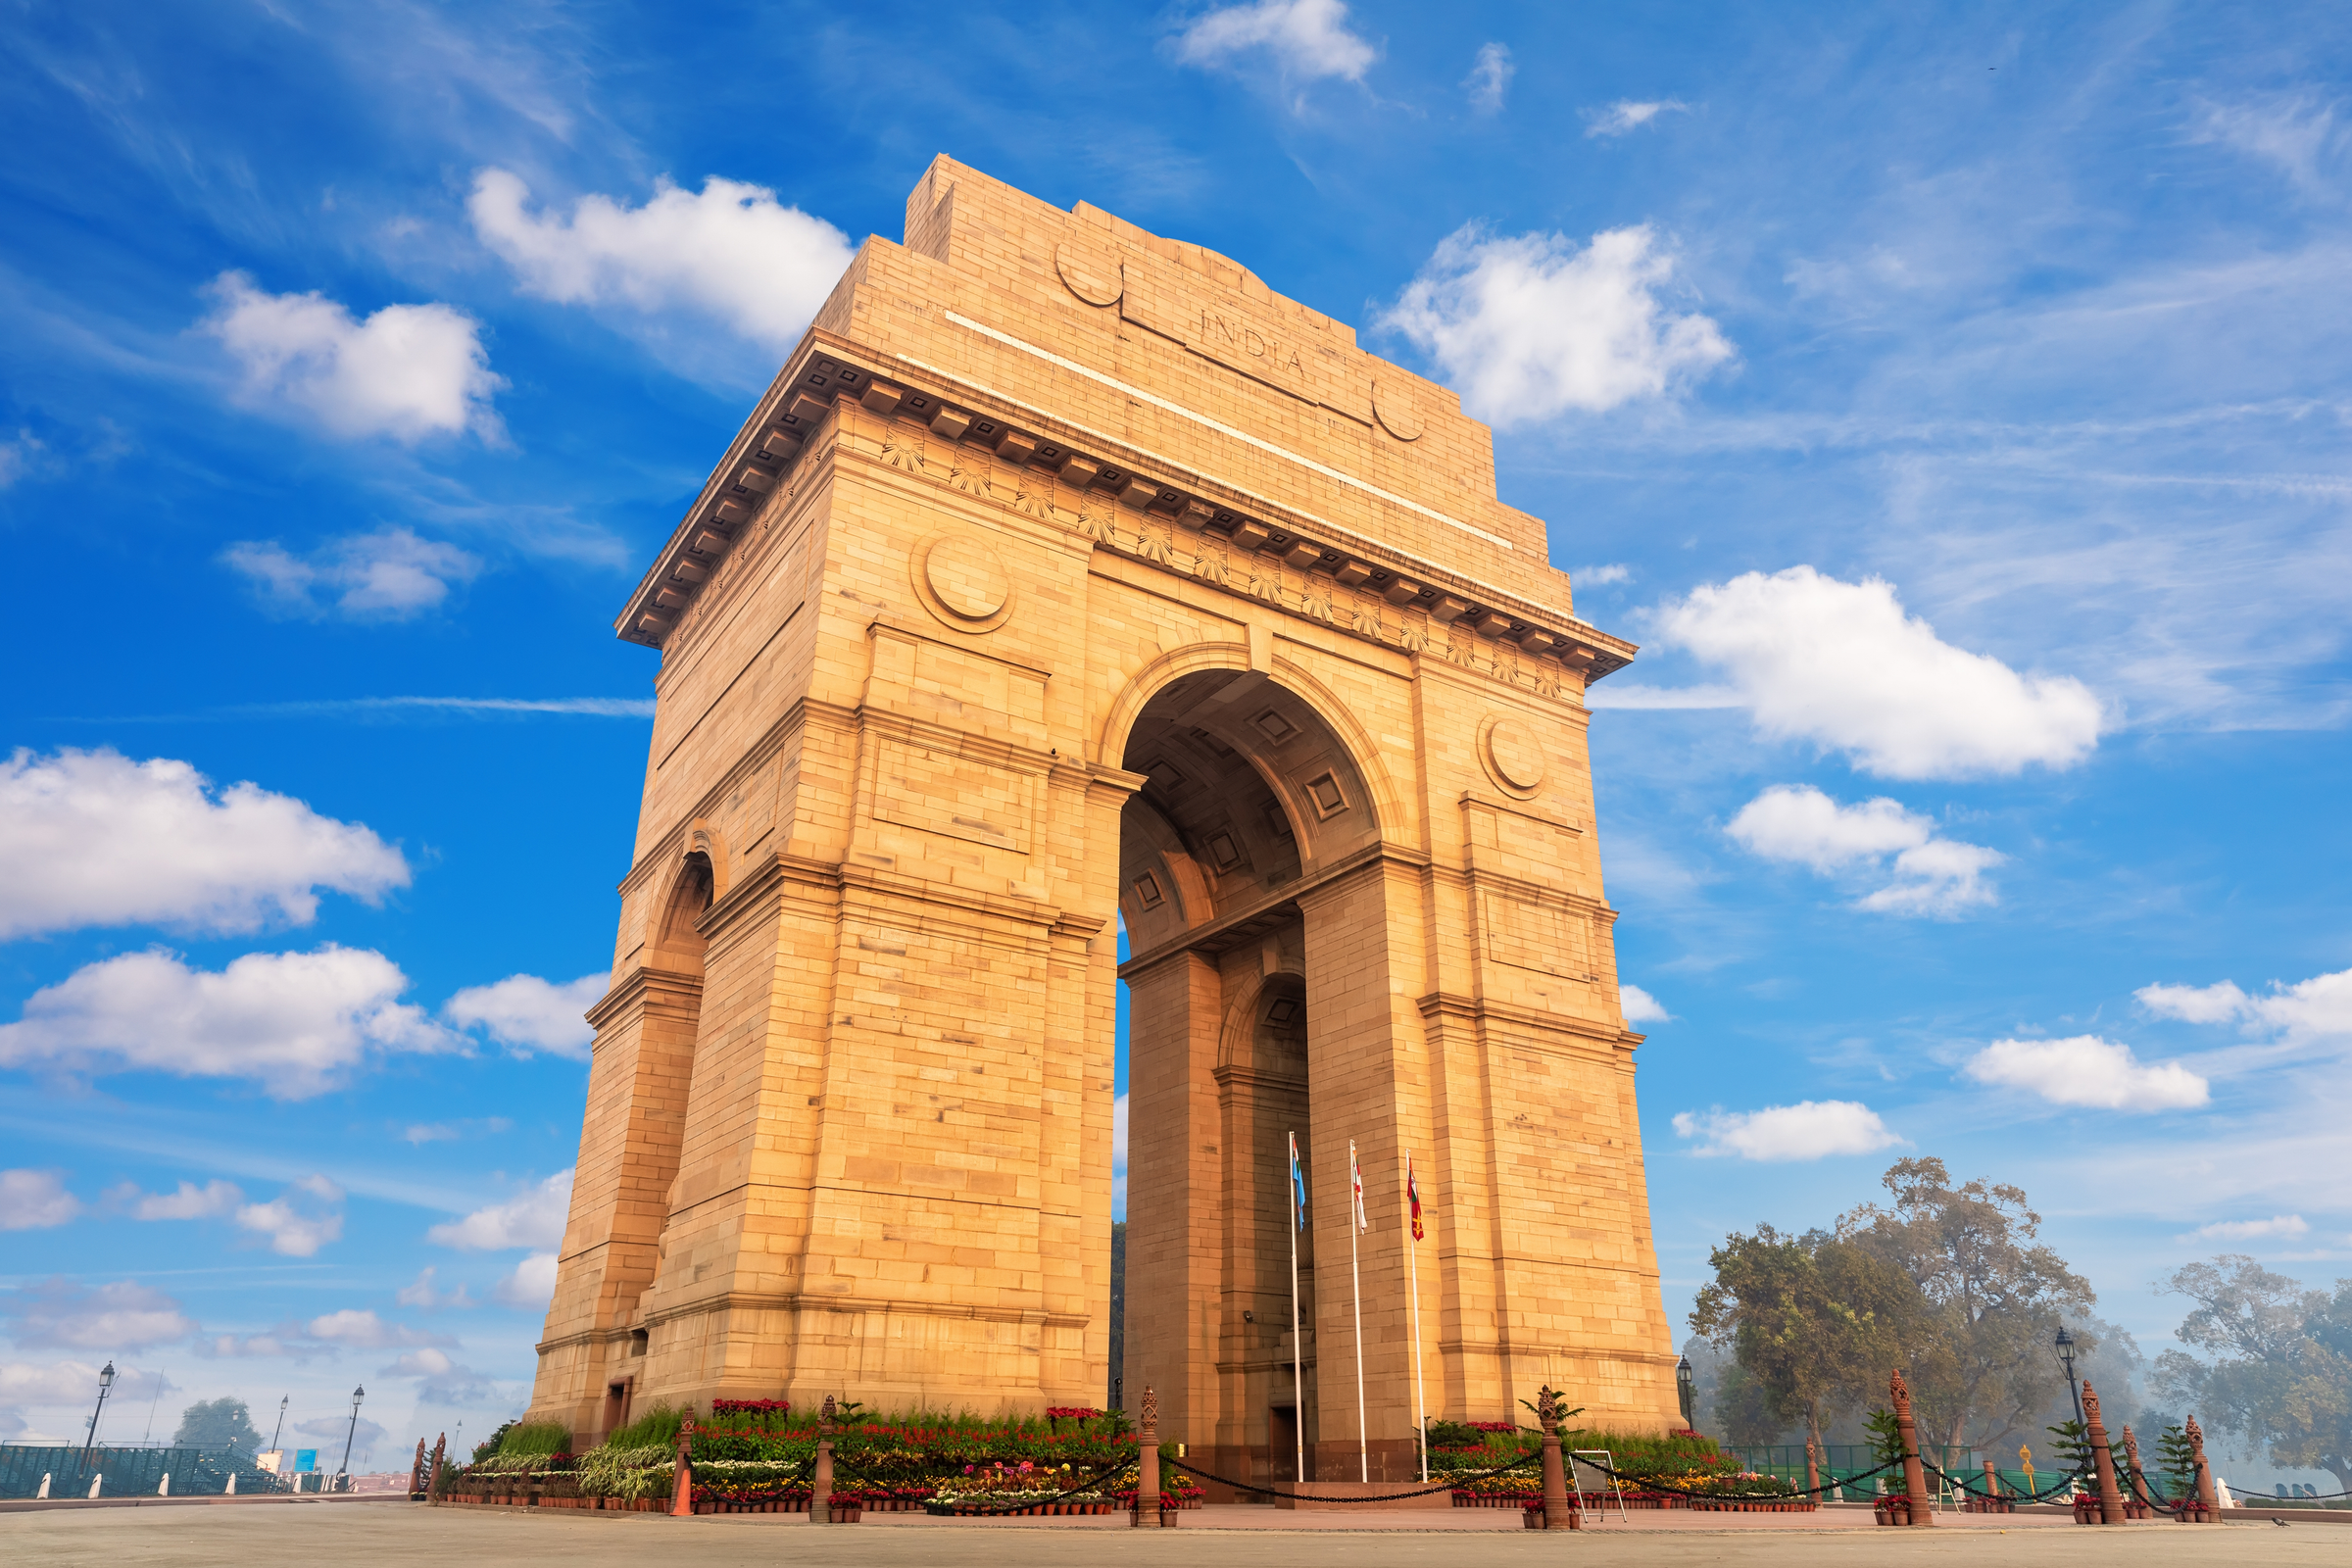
point(1297, 1183)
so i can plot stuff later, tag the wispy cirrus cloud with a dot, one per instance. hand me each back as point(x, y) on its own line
point(1628, 115)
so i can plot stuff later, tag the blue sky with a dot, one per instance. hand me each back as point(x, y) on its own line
point(1952, 401)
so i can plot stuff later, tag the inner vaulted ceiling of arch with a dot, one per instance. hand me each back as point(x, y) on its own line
point(1247, 791)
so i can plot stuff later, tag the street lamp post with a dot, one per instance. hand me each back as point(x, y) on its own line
point(283, 1401)
point(105, 1381)
point(2065, 1343)
point(357, 1394)
point(1686, 1390)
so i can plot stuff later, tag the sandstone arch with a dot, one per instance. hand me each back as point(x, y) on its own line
point(1022, 606)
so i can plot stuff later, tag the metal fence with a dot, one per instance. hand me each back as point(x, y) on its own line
point(122, 1470)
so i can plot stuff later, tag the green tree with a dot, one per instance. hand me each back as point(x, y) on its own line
point(2282, 1373)
point(223, 1423)
point(1978, 1354)
point(1814, 1322)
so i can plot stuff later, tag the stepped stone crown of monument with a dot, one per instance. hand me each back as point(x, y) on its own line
point(1069, 582)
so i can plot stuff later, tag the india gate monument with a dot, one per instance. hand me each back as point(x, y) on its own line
point(1069, 576)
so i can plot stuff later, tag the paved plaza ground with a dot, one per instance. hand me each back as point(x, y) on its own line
point(392, 1534)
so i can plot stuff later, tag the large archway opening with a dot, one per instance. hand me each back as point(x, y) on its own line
point(1250, 796)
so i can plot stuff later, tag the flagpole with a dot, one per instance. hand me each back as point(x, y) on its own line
point(1356, 1180)
point(1297, 1350)
point(1412, 1275)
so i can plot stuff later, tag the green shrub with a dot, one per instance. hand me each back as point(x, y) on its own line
point(523, 1439)
point(657, 1427)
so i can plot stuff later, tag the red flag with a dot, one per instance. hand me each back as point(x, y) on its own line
point(1412, 1196)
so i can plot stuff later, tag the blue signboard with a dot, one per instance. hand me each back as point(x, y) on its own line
point(306, 1459)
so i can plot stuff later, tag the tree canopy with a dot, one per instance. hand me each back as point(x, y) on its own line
point(1949, 1282)
point(2280, 1375)
point(1992, 1297)
point(223, 1423)
point(1814, 1322)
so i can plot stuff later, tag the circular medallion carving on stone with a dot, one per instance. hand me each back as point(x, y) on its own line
point(1393, 406)
point(1512, 755)
point(963, 583)
point(1093, 278)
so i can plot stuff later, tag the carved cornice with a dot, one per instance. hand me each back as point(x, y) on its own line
point(647, 988)
point(1446, 1007)
point(833, 398)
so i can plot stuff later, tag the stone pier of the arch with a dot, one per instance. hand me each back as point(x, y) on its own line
point(1068, 575)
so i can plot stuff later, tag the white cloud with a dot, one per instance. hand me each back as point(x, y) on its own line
point(1933, 876)
point(1937, 879)
point(1641, 1006)
point(531, 1284)
point(294, 1022)
point(356, 1329)
point(1490, 78)
point(2318, 1008)
point(74, 1385)
point(35, 1199)
point(123, 1316)
point(2282, 1227)
point(1602, 577)
point(732, 253)
point(1309, 40)
point(93, 838)
point(2085, 1070)
point(535, 1219)
point(527, 1013)
point(192, 1201)
point(1840, 664)
point(423, 1293)
point(390, 574)
point(300, 1220)
point(1626, 115)
point(1807, 1130)
point(408, 371)
point(1528, 327)
point(1798, 822)
point(440, 1379)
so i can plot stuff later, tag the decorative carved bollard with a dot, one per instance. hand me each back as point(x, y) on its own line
point(1993, 1501)
point(2111, 1496)
point(821, 1479)
point(1558, 1512)
point(1915, 1475)
point(2137, 1502)
point(1146, 1464)
point(417, 1470)
point(2208, 1503)
point(432, 1482)
point(681, 1484)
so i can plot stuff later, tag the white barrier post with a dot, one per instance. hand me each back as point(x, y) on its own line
point(94, 1481)
point(44, 1492)
point(232, 1485)
point(163, 1488)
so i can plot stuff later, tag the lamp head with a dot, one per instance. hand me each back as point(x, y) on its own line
point(357, 1394)
point(106, 1378)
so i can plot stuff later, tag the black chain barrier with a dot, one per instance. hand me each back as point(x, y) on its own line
point(1454, 1485)
point(1959, 1484)
point(1647, 1485)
